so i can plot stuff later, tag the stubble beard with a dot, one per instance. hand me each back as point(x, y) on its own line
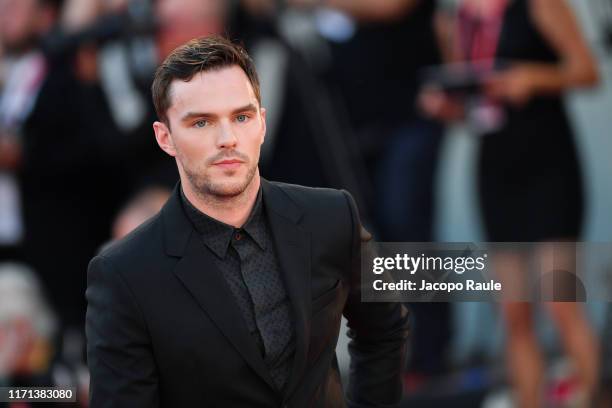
point(212, 190)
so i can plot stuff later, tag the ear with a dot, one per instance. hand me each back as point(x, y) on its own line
point(263, 122)
point(164, 138)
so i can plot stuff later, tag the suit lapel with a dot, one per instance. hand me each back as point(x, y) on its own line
point(197, 271)
point(292, 246)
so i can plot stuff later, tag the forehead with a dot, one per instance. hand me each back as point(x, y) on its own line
point(216, 91)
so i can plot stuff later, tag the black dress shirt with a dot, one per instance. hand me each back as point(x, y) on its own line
point(248, 262)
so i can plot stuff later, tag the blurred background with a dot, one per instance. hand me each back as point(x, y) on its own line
point(448, 120)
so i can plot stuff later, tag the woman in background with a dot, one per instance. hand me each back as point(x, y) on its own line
point(528, 170)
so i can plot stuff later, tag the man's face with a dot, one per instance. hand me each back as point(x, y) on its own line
point(216, 131)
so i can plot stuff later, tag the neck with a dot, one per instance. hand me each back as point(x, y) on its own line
point(233, 210)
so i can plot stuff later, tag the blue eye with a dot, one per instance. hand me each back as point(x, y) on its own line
point(200, 123)
point(242, 118)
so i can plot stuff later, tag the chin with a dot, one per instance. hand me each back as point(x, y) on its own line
point(227, 186)
point(227, 189)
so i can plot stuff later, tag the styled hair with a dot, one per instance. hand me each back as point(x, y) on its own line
point(196, 56)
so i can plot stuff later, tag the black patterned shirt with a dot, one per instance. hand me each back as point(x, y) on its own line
point(246, 257)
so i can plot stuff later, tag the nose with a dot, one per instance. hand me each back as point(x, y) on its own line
point(226, 137)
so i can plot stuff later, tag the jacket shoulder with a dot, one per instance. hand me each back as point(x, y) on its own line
point(329, 214)
point(311, 198)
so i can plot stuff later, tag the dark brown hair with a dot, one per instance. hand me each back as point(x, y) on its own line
point(196, 56)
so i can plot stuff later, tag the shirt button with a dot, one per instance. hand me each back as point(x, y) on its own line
point(238, 236)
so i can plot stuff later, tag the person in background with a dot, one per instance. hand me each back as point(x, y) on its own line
point(378, 50)
point(529, 177)
point(28, 328)
point(22, 71)
point(141, 208)
point(55, 110)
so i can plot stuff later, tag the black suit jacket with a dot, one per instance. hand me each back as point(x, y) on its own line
point(163, 329)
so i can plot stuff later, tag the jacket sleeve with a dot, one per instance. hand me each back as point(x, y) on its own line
point(378, 333)
point(119, 354)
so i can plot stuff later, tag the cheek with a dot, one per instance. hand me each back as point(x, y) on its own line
point(256, 135)
point(254, 143)
point(194, 149)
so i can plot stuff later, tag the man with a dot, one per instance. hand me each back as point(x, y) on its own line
point(232, 295)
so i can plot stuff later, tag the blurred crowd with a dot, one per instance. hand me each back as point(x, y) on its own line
point(359, 95)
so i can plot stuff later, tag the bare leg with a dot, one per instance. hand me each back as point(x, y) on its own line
point(523, 354)
point(523, 357)
point(580, 343)
point(577, 335)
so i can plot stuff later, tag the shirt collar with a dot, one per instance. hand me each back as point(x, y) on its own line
point(217, 235)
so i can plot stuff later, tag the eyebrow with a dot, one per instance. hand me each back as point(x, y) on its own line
point(192, 115)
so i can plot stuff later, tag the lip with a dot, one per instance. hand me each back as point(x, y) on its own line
point(229, 163)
